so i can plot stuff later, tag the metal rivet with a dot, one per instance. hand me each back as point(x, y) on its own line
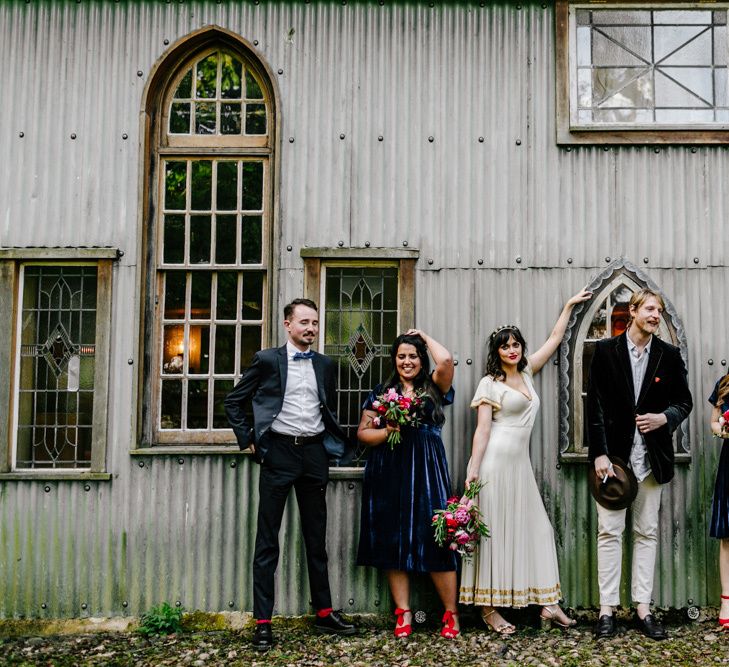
point(645, 260)
point(130, 361)
point(690, 601)
point(233, 464)
point(291, 140)
point(125, 136)
point(351, 602)
point(21, 134)
point(607, 259)
point(181, 460)
point(341, 136)
point(556, 361)
point(166, 42)
point(544, 6)
point(140, 73)
point(380, 137)
point(255, 42)
point(84, 606)
point(340, 244)
point(469, 362)
point(568, 149)
point(256, 2)
point(289, 248)
point(44, 606)
point(47, 488)
point(350, 486)
point(404, 244)
point(382, 2)
point(125, 604)
point(430, 261)
point(432, 4)
point(482, 4)
point(87, 487)
point(518, 142)
point(558, 466)
point(723, 362)
point(367, 244)
point(141, 464)
point(696, 260)
point(73, 135)
point(231, 604)
point(711, 362)
point(656, 150)
point(480, 262)
point(280, 71)
point(518, 260)
point(455, 362)
point(480, 140)
point(693, 150)
point(431, 139)
point(178, 604)
point(518, 6)
point(569, 260)
point(377, 603)
point(120, 253)
point(606, 148)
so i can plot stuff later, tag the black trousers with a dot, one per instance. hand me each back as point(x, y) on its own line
point(306, 469)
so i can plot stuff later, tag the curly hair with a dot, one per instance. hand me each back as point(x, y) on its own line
point(496, 340)
point(422, 380)
point(723, 391)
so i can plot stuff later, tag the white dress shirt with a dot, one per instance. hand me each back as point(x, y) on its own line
point(639, 362)
point(301, 412)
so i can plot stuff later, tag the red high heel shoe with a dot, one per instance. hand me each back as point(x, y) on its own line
point(449, 630)
point(402, 630)
point(724, 622)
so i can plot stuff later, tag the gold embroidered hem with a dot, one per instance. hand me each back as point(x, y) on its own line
point(508, 598)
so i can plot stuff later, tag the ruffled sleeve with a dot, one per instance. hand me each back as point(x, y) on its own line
point(449, 396)
point(488, 392)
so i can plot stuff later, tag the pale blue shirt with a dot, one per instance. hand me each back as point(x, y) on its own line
point(301, 409)
point(639, 363)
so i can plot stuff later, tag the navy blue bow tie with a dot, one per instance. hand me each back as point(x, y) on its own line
point(303, 355)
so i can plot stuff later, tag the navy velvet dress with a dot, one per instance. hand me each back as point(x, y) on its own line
point(720, 506)
point(402, 487)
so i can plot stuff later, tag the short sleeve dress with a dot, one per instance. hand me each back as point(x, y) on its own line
point(517, 565)
point(719, 526)
point(401, 489)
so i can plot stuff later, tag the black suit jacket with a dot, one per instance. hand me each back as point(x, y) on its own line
point(611, 403)
point(264, 383)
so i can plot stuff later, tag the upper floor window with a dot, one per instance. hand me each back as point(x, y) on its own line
point(208, 271)
point(604, 316)
point(655, 68)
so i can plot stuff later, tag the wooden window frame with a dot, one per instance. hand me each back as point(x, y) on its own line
point(567, 136)
point(160, 145)
point(11, 261)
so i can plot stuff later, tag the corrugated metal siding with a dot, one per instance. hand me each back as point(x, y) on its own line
point(406, 72)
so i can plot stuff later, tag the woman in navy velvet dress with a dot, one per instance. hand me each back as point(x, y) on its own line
point(405, 484)
point(719, 400)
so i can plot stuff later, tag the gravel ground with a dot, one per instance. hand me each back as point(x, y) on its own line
point(689, 644)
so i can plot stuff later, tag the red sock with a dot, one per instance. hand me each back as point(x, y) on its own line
point(261, 621)
point(323, 613)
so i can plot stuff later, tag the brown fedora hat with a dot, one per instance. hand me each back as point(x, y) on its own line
point(615, 493)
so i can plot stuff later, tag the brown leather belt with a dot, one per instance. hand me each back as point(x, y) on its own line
point(298, 439)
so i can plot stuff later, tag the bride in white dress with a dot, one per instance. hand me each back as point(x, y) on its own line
point(517, 565)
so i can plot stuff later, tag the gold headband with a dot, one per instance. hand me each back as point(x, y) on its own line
point(502, 328)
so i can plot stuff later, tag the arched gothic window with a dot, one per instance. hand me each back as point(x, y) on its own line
point(210, 193)
point(604, 316)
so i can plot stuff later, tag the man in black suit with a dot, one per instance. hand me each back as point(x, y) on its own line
point(636, 398)
point(295, 432)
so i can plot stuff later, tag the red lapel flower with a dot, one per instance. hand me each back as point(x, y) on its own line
point(657, 379)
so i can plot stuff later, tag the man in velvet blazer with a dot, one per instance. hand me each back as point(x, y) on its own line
point(294, 435)
point(637, 397)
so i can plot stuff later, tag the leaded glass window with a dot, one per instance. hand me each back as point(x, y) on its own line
point(56, 367)
point(218, 95)
point(360, 323)
point(648, 67)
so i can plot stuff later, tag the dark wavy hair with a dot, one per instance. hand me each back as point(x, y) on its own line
point(422, 380)
point(496, 340)
point(723, 391)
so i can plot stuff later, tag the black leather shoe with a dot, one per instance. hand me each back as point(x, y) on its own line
point(262, 637)
point(650, 627)
point(333, 623)
point(606, 627)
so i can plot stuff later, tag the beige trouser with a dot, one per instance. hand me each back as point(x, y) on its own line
point(610, 528)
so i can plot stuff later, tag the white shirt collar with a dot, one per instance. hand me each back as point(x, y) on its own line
point(633, 348)
point(291, 349)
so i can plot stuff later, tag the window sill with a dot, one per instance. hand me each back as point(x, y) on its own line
point(188, 450)
point(46, 476)
point(681, 458)
point(345, 473)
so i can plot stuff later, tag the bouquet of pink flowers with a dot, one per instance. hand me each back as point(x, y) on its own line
point(396, 409)
point(459, 526)
point(723, 425)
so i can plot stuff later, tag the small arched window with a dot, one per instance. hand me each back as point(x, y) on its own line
point(604, 316)
point(211, 197)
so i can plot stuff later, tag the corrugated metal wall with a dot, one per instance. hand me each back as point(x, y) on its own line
point(540, 220)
